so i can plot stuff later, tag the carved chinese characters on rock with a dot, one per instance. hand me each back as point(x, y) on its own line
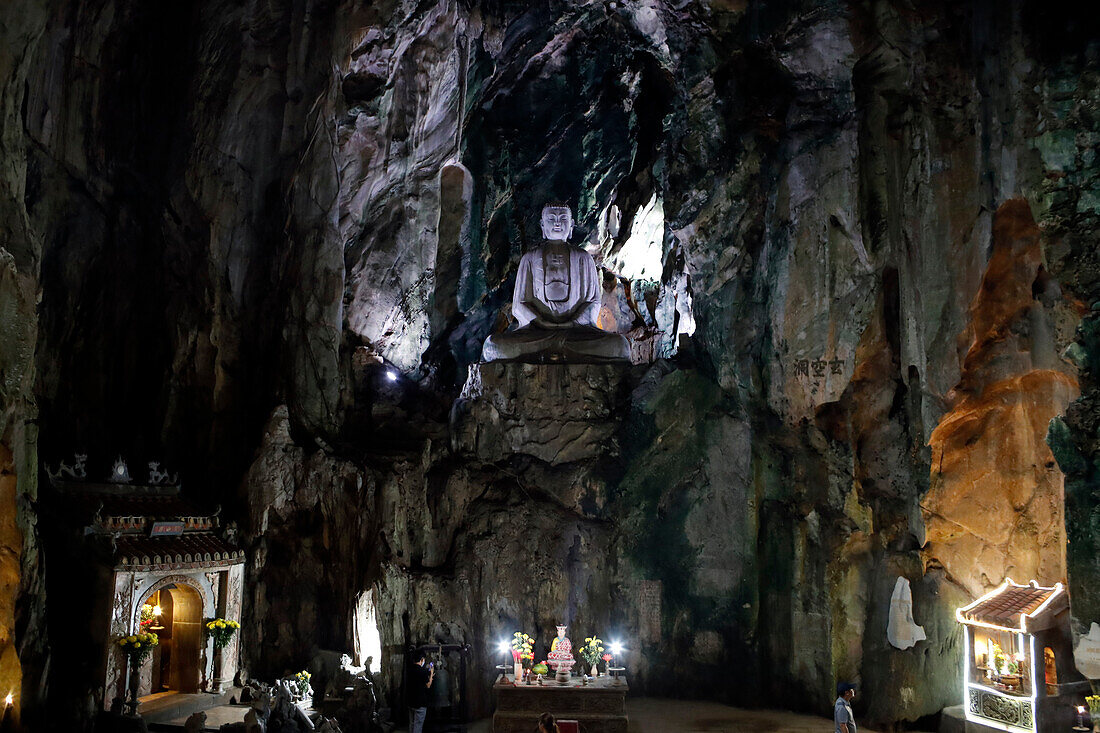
point(817, 369)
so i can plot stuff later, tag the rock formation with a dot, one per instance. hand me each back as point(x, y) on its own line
point(264, 243)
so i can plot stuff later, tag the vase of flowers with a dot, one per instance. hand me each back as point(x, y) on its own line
point(305, 690)
point(1093, 702)
point(522, 653)
point(221, 631)
point(148, 616)
point(137, 648)
point(592, 653)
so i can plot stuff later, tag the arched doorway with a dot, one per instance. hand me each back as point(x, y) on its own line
point(174, 613)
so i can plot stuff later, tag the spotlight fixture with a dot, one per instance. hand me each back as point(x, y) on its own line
point(505, 647)
point(391, 375)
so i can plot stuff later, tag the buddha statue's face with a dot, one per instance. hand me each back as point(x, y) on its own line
point(561, 632)
point(557, 223)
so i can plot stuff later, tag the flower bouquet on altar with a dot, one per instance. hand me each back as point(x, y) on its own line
point(592, 653)
point(523, 653)
point(305, 689)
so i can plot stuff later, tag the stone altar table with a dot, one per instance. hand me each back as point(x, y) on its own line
point(600, 706)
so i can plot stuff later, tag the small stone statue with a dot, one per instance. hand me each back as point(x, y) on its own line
point(560, 657)
point(253, 723)
point(196, 723)
point(261, 702)
point(344, 678)
point(557, 303)
point(328, 725)
point(901, 630)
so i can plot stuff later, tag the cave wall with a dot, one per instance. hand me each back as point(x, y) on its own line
point(224, 222)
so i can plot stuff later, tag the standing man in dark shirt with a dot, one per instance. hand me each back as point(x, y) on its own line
point(843, 719)
point(421, 676)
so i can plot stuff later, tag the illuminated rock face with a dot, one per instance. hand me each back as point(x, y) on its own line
point(995, 507)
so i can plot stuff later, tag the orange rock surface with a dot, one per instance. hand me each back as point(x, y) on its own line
point(995, 503)
point(11, 544)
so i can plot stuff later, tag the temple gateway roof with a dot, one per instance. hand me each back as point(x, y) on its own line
point(1015, 607)
point(186, 551)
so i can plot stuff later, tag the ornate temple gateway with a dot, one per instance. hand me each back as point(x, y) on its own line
point(156, 565)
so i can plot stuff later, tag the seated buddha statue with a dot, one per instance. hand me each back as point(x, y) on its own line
point(560, 657)
point(556, 304)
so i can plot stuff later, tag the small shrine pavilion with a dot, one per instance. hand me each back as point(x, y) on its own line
point(159, 565)
point(1018, 672)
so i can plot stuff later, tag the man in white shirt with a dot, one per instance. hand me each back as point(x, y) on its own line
point(842, 710)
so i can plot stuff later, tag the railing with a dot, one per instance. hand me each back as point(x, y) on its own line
point(1007, 712)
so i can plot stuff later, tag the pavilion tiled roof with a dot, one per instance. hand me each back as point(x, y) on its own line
point(1007, 605)
point(189, 550)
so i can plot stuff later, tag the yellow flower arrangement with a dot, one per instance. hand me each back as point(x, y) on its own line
point(592, 650)
point(138, 646)
point(221, 631)
point(301, 679)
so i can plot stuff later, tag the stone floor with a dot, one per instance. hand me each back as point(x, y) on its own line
point(650, 715)
point(656, 715)
point(171, 706)
point(647, 715)
point(215, 718)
